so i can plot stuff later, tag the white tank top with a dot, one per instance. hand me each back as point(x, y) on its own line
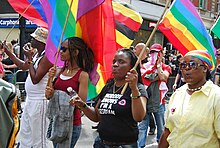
point(36, 91)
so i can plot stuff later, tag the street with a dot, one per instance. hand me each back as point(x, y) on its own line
point(88, 135)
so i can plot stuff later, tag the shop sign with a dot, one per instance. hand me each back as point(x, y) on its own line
point(9, 23)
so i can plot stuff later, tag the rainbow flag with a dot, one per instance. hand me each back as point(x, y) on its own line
point(95, 22)
point(216, 28)
point(34, 12)
point(184, 28)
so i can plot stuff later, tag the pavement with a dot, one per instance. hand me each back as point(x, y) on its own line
point(88, 136)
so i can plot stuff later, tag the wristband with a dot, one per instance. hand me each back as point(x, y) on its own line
point(136, 97)
point(30, 62)
point(84, 105)
point(158, 66)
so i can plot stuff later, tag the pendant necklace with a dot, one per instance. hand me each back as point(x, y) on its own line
point(70, 70)
point(114, 86)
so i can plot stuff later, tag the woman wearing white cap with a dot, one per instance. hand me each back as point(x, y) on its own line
point(33, 122)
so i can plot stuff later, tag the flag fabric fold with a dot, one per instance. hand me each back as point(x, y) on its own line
point(216, 28)
point(34, 11)
point(127, 22)
point(104, 25)
point(185, 29)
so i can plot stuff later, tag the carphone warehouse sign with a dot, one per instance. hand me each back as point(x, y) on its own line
point(9, 23)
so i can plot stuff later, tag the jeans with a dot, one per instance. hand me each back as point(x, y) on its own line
point(99, 144)
point(9, 78)
point(75, 135)
point(143, 126)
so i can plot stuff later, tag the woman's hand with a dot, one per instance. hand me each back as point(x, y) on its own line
point(132, 79)
point(76, 100)
point(5, 47)
point(27, 52)
point(49, 92)
point(52, 72)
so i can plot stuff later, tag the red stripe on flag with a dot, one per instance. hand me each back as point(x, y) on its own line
point(98, 31)
point(130, 23)
point(31, 13)
point(173, 39)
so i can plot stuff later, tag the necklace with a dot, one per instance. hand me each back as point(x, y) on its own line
point(194, 89)
point(70, 70)
point(114, 86)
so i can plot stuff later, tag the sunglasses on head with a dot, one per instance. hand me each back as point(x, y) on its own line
point(190, 65)
point(63, 49)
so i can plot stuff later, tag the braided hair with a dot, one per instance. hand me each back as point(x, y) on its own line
point(85, 58)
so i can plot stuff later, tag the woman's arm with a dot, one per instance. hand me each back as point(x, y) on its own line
point(90, 112)
point(216, 79)
point(83, 85)
point(163, 139)
point(138, 105)
point(21, 64)
point(177, 78)
point(43, 67)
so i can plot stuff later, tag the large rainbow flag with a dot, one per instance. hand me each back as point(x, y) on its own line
point(184, 28)
point(104, 29)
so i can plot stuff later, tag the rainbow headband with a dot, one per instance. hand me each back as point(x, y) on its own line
point(204, 56)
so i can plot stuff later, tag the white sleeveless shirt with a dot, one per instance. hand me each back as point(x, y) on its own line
point(36, 91)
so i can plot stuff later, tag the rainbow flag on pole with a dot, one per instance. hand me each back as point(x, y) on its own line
point(216, 28)
point(93, 22)
point(184, 28)
point(103, 27)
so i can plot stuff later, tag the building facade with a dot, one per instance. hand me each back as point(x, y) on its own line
point(151, 11)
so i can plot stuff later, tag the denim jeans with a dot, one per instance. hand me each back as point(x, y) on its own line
point(9, 78)
point(143, 126)
point(99, 144)
point(75, 135)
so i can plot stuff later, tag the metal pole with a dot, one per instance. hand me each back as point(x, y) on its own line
point(22, 27)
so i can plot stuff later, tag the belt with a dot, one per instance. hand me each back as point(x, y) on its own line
point(115, 143)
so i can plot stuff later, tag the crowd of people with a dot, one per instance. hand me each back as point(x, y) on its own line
point(131, 100)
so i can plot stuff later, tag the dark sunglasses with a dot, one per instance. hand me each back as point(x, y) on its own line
point(190, 65)
point(63, 49)
point(218, 54)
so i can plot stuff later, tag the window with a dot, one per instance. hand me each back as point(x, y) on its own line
point(203, 4)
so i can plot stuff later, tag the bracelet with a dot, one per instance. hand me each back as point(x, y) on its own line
point(84, 105)
point(136, 97)
point(30, 62)
point(158, 65)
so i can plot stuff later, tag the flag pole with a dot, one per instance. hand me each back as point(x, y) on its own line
point(6, 38)
point(50, 79)
point(147, 43)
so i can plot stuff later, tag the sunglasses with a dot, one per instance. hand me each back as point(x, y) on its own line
point(190, 65)
point(63, 49)
point(218, 54)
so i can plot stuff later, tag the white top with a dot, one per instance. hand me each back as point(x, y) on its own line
point(36, 91)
